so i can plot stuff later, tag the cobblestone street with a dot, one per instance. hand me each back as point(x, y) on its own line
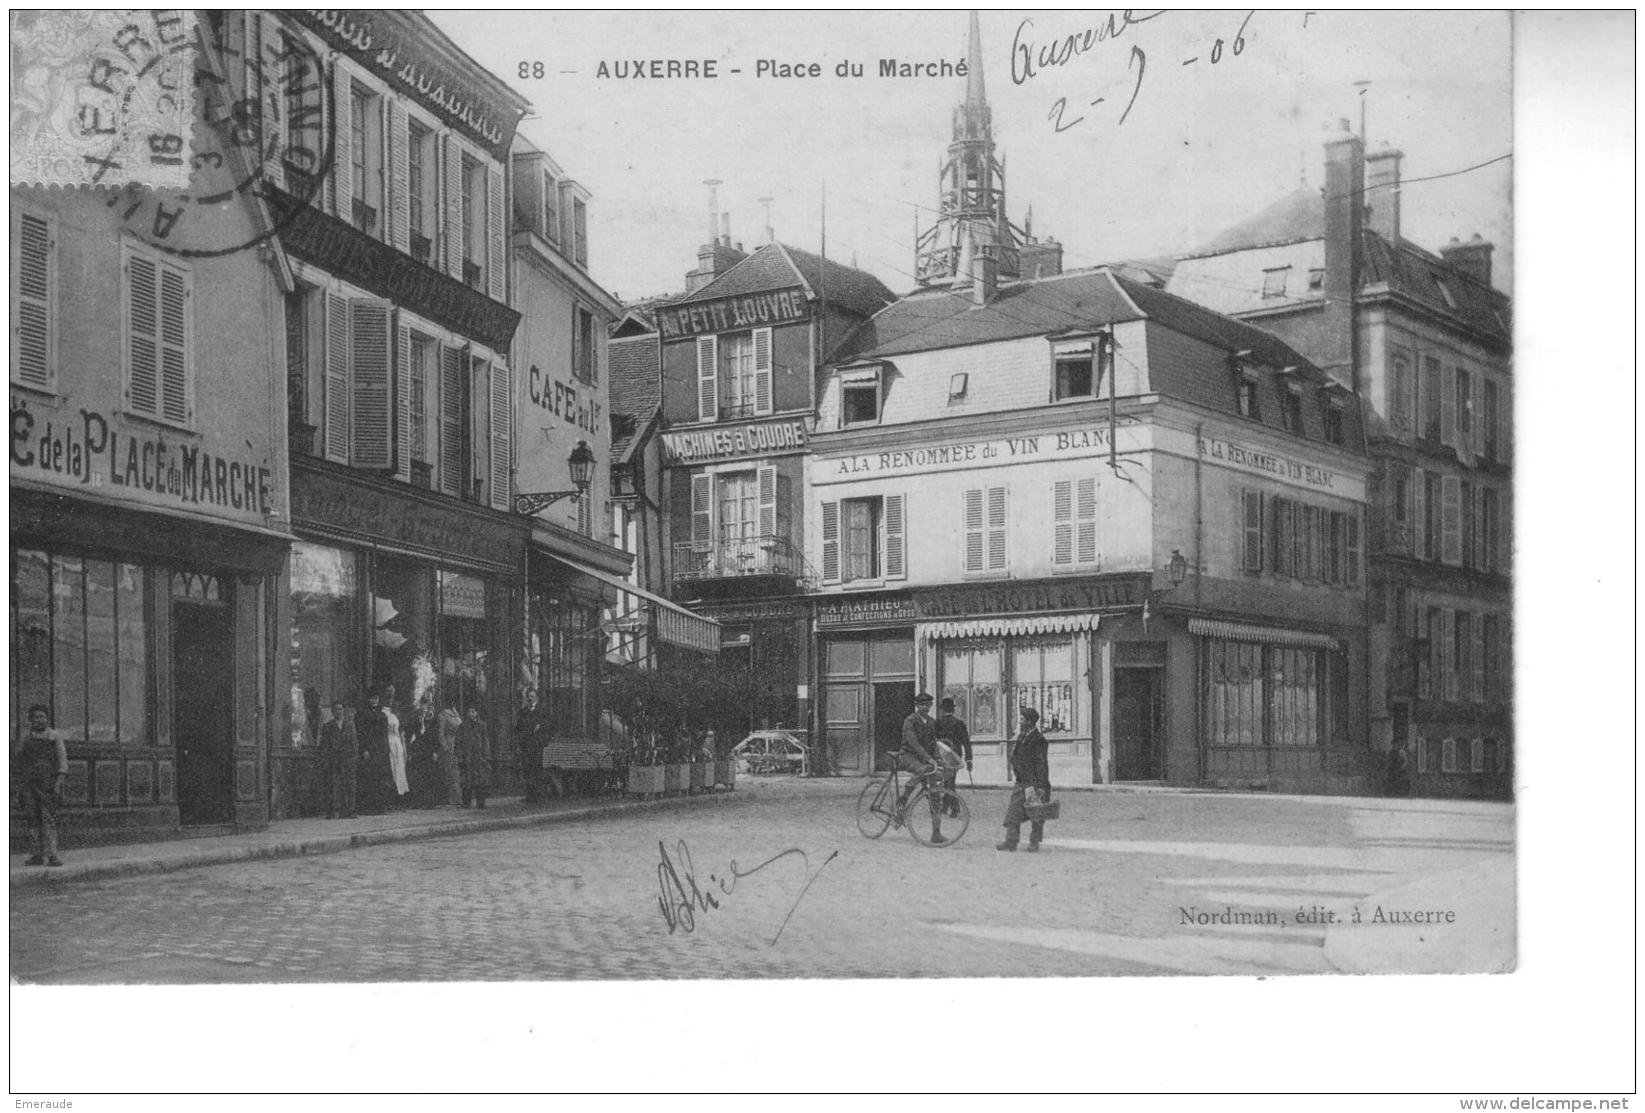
point(1110, 895)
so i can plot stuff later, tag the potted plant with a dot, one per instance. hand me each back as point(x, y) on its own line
point(645, 771)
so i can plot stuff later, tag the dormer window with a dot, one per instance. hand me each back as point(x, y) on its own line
point(1316, 278)
point(1333, 421)
point(1245, 388)
point(1273, 281)
point(860, 397)
point(1077, 373)
point(1291, 407)
point(1445, 291)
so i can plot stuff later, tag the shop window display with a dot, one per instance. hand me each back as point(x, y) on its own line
point(325, 597)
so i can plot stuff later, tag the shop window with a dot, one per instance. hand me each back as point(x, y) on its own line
point(33, 300)
point(402, 631)
point(568, 663)
point(1074, 523)
point(1042, 677)
point(158, 299)
point(464, 641)
point(1273, 695)
point(80, 645)
point(1274, 280)
point(971, 677)
point(984, 517)
point(325, 620)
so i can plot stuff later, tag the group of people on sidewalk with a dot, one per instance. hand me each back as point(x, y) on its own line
point(375, 762)
point(941, 745)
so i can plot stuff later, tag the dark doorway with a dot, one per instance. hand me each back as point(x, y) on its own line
point(202, 638)
point(893, 702)
point(1138, 724)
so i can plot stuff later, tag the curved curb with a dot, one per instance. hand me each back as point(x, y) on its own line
point(333, 844)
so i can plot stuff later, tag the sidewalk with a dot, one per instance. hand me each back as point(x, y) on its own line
point(293, 838)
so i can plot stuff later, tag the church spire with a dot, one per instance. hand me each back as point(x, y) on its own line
point(975, 93)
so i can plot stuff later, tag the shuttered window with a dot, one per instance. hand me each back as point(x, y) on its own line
point(1253, 531)
point(1074, 522)
point(707, 378)
point(336, 378)
point(33, 301)
point(502, 439)
point(983, 510)
point(158, 296)
point(372, 413)
point(831, 542)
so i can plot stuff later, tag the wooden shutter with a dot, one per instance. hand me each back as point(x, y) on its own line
point(34, 281)
point(452, 449)
point(174, 332)
point(1062, 523)
point(142, 335)
point(1448, 406)
point(1085, 517)
point(399, 177)
point(831, 542)
point(896, 549)
point(1447, 654)
point(402, 399)
point(496, 268)
point(502, 437)
point(337, 378)
point(1351, 555)
point(972, 515)
point(454, 208)
point(1476, 658)
point(767, 486)
point(373, 387)
point(708, 357)
point(762, 371)
point(996, 528)
point(702, 511)
point(1451, 519)
point(342, 145)
point(1419, 514)
point(1253, 530)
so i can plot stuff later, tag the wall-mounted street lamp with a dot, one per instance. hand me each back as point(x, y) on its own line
point(1176, 570)
point(581, 466)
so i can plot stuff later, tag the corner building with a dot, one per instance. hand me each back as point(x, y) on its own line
point(150, 515)
point(1001, 478)
point(738, 359)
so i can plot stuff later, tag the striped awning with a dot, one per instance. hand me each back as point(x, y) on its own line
point(1007, 627)
point(1271, 635)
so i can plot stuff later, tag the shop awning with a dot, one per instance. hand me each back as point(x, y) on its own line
point(1272, 635)
point(1007, 627)
point(675, 624)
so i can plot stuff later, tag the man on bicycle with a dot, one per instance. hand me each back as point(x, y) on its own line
point(919, 755)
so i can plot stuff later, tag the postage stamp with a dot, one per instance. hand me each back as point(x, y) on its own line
point(102, 97)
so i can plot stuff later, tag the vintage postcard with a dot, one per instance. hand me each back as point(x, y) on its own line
point(575, 501)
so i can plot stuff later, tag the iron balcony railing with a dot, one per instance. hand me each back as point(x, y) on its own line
point(766, 555)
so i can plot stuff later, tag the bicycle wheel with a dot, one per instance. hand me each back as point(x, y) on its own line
point(932, 811)
point(874, 807)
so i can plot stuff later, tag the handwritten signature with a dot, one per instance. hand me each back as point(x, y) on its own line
point(680, 898)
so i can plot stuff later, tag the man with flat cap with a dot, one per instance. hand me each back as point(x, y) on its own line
point(919, 753)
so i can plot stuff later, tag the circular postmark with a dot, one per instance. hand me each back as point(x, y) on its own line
point(259, 132)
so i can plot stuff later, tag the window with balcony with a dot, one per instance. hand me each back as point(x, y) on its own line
point(863, 540)
point(740, 525)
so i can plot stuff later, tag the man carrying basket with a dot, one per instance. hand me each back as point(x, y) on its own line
point(1033, 775)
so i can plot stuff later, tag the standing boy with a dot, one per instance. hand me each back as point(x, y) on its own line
point(41, 763)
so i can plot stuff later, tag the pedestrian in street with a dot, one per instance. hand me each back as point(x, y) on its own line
point(919, 755)
point(474, 753)
point(39, 766)
point(396, 749)
point(340, 752)
point(529, 729)
point(451, 775)
point(1032, 770)
point(1399, 769)
point(951, 731)
point(375, 777)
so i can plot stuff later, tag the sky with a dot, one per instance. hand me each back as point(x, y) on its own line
point(1211, 133)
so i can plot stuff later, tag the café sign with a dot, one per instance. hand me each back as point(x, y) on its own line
point(728, 314)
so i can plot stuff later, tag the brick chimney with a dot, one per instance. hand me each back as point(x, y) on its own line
point(985, 275)
point(1382, 192)
point(1344, 216)
point(1472, 258)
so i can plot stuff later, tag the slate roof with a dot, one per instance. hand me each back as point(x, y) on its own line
point(776, 266)
point(636, 387)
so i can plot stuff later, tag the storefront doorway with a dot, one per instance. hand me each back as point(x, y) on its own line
point(202, 638)
point(868, 689)
point(1138, 723)
point(893, 702)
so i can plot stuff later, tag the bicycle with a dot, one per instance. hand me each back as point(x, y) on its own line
point(881, 806)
